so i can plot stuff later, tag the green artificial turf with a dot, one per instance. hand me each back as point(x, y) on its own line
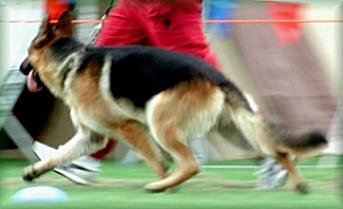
point(121, 186)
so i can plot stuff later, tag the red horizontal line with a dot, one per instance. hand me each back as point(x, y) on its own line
point(234, 21)
point(273, 21)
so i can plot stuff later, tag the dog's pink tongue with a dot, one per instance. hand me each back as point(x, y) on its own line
point(32, 85)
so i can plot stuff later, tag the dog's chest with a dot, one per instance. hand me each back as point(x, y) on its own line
point(103, 116)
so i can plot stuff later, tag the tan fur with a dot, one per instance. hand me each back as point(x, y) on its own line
point(287, 163)
point(187, 104)
point(174, 116)
point(138, 137)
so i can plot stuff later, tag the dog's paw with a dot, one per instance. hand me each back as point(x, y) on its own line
point(154, 187)
point(302, 188)
point(29, 173)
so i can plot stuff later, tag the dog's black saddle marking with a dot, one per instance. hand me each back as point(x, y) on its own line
point(140, 72)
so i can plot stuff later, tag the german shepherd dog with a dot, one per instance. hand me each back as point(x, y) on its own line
point(150, 98)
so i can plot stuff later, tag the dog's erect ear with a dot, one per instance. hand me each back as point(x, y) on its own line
point(45, 26)
point(45, 33)
point(64, 25)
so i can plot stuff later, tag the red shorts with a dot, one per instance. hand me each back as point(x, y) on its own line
point(157, 25)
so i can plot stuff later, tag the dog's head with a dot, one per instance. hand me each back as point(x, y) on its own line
point(48, 33)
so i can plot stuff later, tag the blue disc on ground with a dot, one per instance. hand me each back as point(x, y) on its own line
point(40, 195)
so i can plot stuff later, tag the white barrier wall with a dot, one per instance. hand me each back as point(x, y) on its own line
point(326, 38)
point(3, 41)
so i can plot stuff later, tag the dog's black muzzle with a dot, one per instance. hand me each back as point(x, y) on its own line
point(25, 67)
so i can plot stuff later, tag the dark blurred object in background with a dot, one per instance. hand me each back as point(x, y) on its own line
point(32, 110)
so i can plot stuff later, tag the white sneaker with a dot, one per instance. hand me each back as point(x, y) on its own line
point(271, 174)
point(80, 171)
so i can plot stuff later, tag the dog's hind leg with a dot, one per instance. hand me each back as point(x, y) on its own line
point(84, 142)
point(138, 138)
point(175, 116)
point(182, 156)
point(299, 184)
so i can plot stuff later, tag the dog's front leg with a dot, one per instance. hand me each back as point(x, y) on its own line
point(84, 142)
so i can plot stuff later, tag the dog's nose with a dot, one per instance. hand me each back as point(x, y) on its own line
point(25, 67)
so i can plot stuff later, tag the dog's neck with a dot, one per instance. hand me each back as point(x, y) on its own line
point(61, 58)
point(63, 47)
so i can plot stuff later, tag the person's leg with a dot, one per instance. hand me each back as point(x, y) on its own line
point(181, 30)
point(121, 28)
point(102, 153)
point(271, 174)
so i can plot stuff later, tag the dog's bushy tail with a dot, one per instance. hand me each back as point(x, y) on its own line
point(304, 143)
point(265, 136)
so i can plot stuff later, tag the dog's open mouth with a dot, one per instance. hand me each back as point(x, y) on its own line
point(34, 84)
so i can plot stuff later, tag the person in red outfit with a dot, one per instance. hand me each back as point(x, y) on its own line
point(174, 25)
